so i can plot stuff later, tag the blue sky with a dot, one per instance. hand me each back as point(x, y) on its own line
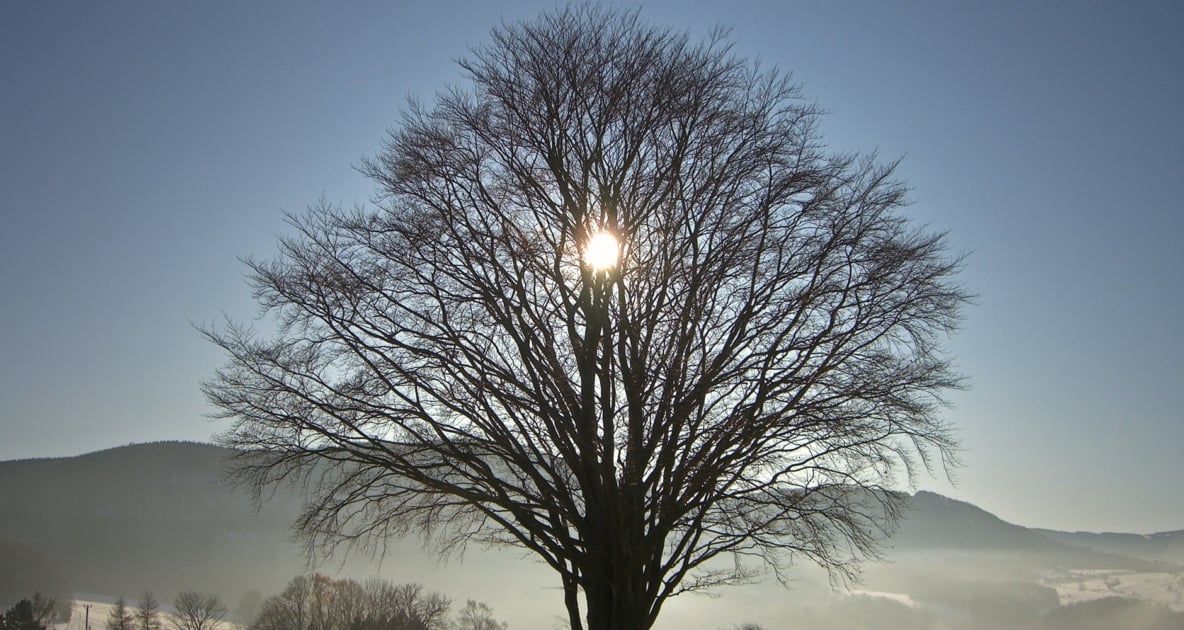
point(144, 147)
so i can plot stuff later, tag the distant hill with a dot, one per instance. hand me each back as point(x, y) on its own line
point(1157, 547)
point(147, 516)
point(160, 517)
point(933, 521)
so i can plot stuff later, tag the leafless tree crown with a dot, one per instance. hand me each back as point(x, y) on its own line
point(761, 360)
point(198, 611)
point(319, 602)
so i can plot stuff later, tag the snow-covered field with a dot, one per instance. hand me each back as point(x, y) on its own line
point(1081, 586)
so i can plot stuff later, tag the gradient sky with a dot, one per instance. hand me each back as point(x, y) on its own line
point(145, 146)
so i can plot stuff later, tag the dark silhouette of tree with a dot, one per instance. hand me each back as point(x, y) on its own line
point(120, 617)
point(404, 607)
point(198, 611)
point(321, 603)
point(28, 615)
point(734, 372)
point(148, 613)
point(477, 616)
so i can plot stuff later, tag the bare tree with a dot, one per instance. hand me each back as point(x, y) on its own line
point(322, 603)
point(289, 609)
point(477, 616)
point(348, 606)
point(148, 613)
point(407, 606)
point(615, 305)
point(121, 617)
point(46, 609)
point(198, 611)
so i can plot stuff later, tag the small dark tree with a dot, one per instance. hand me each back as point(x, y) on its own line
point(148, 613)
point(198, 611)
point(121, 617)
point(616, 306)
point(45, 609)
point(22, 616)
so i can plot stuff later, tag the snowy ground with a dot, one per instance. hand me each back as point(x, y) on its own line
point(79, 615)
point(1081, 586)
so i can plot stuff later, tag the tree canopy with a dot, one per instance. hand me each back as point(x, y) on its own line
point(29, 614)
point(754, 355)
point(197, 611)
point(319, 602)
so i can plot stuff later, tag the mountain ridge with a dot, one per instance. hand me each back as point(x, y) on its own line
point(123, 450)
point(125, 518)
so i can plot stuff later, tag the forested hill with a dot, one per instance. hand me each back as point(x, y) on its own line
point(1160, 546)
point(148, 516)
point(144, 488)
point(933, 521)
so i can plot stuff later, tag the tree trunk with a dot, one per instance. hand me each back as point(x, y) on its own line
point(615, 603)
point(614, 579)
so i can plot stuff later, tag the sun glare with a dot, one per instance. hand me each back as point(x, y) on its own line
point(601, 251)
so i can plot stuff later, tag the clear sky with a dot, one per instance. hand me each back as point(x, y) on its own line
point(144, 146)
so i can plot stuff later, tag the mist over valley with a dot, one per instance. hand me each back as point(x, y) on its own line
point(161, 517)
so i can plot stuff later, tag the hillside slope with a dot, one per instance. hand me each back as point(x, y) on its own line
point(148, 516)
point(160, 517)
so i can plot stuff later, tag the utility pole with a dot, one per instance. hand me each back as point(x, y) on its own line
point(87, 624)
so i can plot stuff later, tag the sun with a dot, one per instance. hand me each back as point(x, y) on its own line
point(602, 251)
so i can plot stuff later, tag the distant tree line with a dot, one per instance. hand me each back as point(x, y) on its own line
point(191, 611)
point(318, 602)
point(310, 602)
